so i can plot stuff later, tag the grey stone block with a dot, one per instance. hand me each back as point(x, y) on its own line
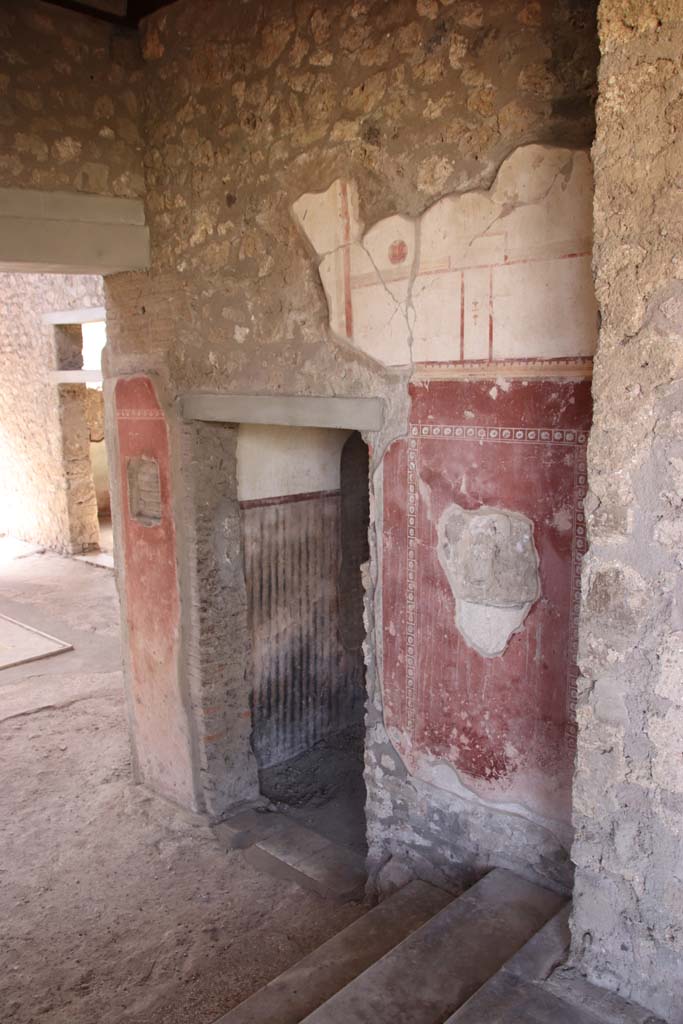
point(437, 968)
point(304, 987)
point(507, 999)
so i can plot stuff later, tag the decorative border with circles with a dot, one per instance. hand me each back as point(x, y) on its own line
point(470, 432)
point(139, 414)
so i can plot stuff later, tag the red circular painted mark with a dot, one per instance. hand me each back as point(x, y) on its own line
point(398, 251)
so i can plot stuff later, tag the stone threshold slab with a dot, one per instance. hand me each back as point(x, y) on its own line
point(278, 846)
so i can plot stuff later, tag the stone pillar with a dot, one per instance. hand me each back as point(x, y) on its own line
point(628, 791)
point(214, 619)
point(144, 486)
point(81, 499)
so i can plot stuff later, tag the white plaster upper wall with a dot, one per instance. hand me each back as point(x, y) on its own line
point(276, 461)
point(497, 275)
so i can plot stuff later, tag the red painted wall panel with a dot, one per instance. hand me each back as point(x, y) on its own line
point(500, 727)
point(160, 722)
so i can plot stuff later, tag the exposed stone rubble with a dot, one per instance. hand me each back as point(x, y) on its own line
point(249, 108)
point(70, 119)
point(628, 792)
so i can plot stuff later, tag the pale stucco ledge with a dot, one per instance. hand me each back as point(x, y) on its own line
point(285, 410)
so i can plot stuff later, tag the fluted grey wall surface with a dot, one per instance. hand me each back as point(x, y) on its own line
point(306, 684)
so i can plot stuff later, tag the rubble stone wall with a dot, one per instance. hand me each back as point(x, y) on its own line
point(251, 106)
point(70, 102)
point(628, 791)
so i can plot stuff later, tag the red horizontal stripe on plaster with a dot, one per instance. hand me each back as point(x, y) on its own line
point(288, 499)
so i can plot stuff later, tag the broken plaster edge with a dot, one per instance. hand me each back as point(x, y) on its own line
point(427, 765)
point(523, 608)
point(362, 233)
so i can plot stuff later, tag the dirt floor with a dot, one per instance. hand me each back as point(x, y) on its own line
point(113, 905)
point(324, 789)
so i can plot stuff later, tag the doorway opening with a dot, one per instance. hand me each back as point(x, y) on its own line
point(54, 480)
point(94, 339)
point(79, 350)
point(304, 501)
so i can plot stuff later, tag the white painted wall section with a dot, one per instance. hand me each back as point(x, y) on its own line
point(276, 461)
point(481, 276)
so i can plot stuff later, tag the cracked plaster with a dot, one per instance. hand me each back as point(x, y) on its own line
point(502, 274)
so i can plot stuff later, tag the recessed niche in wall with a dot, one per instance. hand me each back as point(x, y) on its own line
point(144, 491)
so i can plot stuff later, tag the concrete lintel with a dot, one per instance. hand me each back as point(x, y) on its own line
point(76, 376)
point(60, 232)
point(34, 204)
point(94, 314)
point(285, 410)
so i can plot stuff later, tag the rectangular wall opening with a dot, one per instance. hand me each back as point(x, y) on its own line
point(78, 354)
point(54, 482)
point(94, 339)
point(304, 505)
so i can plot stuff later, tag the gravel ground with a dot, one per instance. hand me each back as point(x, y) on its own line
point(114, 905)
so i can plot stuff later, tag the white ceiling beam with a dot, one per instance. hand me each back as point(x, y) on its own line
point(71, 233)
point(75, 376)
point(64, 317)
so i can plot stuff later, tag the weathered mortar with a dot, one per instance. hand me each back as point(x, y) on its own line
point(249, 108)
point(628, 795)
point(70, 102)
point(37, 488)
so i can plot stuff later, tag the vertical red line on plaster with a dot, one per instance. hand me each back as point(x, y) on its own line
point(462, 316)
point(491, 313)
point(346, 239)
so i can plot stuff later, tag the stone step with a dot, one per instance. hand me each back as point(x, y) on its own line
point(305, 986)
point(438, 967)
point(333, 872)
point(535, 987)
point(506, 999)
point(513, 994)
point(248, 826)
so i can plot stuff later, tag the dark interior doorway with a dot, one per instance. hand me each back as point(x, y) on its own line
point(308, 704)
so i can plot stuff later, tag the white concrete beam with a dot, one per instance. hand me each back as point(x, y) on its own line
point(76, 376)
point(64, 317)
point(71, 233)
point(285, 410)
